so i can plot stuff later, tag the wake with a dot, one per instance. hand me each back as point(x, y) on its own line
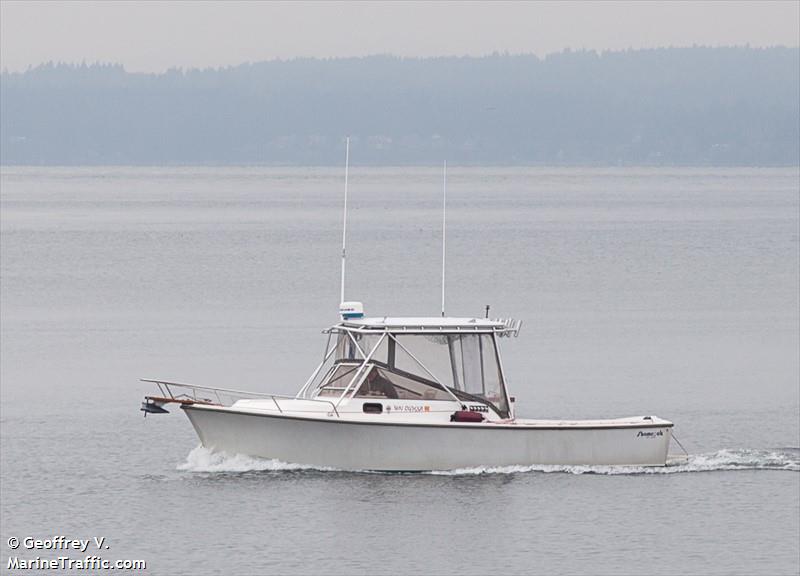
point(722, 460)
point(201, 459)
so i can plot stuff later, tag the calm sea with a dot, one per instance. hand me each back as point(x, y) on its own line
point(671, 292)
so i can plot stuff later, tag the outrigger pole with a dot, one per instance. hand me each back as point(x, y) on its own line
point(444, 226)
point(344, 225)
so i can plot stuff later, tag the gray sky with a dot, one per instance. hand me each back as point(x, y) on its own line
point(154, 36)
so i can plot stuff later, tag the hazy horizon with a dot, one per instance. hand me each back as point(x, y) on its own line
point(662, 107)
point(477, 83)
point(277, 60)
point(154, 37)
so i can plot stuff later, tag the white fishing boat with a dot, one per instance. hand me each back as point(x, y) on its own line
point(407, 394)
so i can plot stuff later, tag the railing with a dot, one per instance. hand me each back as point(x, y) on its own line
point(511, 327)
point(501, 327)
point(223, 396)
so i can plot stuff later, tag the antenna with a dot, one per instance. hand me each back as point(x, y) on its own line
point(444, 226)
point(344, 218)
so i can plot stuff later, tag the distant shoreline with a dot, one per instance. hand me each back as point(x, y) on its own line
point(665, 107)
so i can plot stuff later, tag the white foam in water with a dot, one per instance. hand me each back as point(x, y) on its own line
point(783, 459)
point(203, 460)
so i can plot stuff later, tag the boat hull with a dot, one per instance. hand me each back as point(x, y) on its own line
point(351, 445)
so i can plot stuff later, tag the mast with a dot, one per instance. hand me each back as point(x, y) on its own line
point(444, 226)
point(344, 217)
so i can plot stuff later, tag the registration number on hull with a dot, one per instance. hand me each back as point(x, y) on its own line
point(406, 408)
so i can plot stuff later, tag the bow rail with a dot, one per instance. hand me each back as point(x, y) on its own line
point(187, 394)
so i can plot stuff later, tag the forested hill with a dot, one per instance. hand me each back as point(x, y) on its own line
point(671, 106)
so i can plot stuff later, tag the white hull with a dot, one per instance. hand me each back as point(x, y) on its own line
point(358, 445)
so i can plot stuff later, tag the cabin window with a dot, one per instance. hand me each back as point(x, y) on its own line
point(430, 350)
point(462, 362)
point(337, 379)
point(381, 383)
point(346, 349)
point(493, 390)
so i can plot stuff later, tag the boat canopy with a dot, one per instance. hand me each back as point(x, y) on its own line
point(430, 324)
point(432, 358)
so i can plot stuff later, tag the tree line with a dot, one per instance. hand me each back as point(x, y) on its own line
point(670, 106)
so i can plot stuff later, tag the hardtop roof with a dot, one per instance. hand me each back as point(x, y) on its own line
point(430, 323)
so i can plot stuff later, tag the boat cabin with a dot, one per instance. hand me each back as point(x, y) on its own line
point(415, 361)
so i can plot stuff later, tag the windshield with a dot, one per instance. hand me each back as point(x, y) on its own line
point(337, 379)
point(383, 383)
point(356, 346)
point(465, 363)
point(414, 366)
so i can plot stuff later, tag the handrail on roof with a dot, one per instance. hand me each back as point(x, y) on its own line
point(501, 327)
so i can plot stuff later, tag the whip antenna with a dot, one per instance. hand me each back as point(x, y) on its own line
point(444, 226)
point(344, 218)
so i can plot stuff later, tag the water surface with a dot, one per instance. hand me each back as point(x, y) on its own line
point(643, 291)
